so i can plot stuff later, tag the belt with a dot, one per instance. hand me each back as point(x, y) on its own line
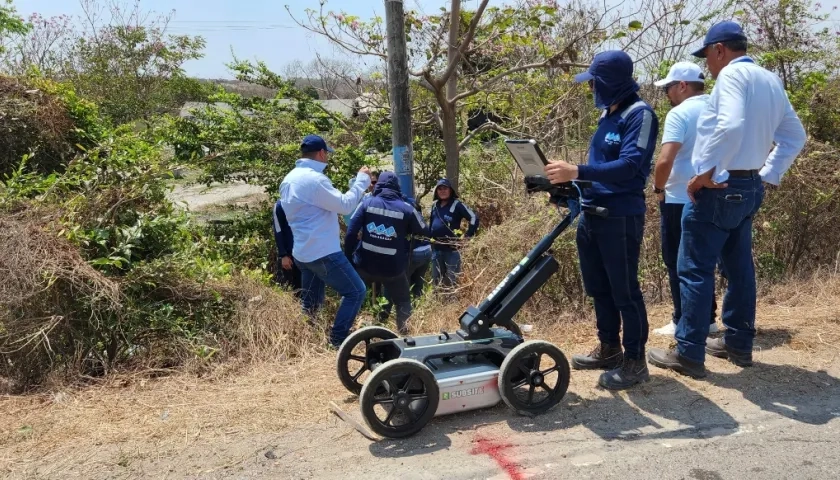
point(742, 173)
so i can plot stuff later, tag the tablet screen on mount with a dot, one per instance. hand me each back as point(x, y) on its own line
point(528, 156)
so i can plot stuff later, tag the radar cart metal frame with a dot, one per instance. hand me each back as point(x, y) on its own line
point(413, 379)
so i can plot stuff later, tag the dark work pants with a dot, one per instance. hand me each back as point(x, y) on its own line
point(608, 249)
point(396, 291)
point(418, 265)
point(670, 233)
point(289, 278)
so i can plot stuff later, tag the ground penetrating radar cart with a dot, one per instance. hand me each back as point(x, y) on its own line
point(413, 379)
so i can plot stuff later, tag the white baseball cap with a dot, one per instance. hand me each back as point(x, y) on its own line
point(682, 72)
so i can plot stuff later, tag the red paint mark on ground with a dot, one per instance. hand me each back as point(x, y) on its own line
point(496, 451)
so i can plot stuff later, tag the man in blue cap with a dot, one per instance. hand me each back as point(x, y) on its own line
point(748, 111)
point(620, 157)
point(312, 206)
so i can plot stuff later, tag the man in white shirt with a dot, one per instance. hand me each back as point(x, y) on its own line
point(748, 111)
point(684, 86)
point(312, 206)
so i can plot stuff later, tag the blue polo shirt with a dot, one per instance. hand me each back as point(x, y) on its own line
point(620, 158)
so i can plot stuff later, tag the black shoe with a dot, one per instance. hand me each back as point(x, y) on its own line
point(717, 348)
point(672, 360)
point(601, 357)
point(631, 372)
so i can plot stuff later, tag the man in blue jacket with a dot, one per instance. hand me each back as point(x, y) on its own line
point(287, 272)
point(385, 220)
point(620, 156)
point(418, 264)
point(447, 214)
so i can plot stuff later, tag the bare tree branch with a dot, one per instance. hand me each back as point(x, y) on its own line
point(531, 66)
point(464, 44)
point(483, 128)
point(324, 30)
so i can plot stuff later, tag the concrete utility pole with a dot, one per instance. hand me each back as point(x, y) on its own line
point(398, 92)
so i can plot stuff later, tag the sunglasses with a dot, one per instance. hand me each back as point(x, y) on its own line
point(666, 87)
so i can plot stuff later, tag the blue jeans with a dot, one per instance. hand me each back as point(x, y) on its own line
point(337, 272)
point(670, 234)
point(718, 225)
point(608, 249)
point(446, 265)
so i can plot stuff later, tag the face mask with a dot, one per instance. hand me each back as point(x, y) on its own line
point(599, 103)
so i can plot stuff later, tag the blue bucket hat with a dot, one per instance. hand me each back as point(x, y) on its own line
point(726, 31)
point(608, 65)
point(612, 72)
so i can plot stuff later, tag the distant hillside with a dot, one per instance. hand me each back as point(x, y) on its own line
point(249, 90)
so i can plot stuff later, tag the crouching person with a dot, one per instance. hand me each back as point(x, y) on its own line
point(382, 255)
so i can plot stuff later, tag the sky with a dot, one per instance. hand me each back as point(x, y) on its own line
point(252, 29)
point(255, 29)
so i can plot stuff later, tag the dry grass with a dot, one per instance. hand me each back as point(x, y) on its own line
point(42, 274)
point(32, 122)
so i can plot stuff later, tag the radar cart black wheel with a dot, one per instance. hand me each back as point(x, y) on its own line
point(534, 377)
point(399, 398)
point(351, 363)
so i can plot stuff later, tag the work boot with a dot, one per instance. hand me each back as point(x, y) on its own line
point(718, 348)
point(601, 357)
point(674, 361)
point(631, 372)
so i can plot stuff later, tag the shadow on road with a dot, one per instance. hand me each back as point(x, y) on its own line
point(767, 338)
point(792, 392)
point(663, 408)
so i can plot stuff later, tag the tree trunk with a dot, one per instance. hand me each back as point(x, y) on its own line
point(450, 130)
point(450, 144)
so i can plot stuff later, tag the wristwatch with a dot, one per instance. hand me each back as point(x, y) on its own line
point(657, 190)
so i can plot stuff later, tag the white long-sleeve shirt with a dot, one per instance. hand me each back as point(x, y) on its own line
point(312, 206)
point(747, 111)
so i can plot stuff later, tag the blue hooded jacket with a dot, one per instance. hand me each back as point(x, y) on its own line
point(282, 233)
point(445, 219)
point(621, 151)
point(386, 221)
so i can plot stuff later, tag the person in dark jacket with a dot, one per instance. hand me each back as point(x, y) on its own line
point(288, 273)
point(445, 219)
point(620, 158)
point(382, 255)
point(421, 258)
point(418, 265)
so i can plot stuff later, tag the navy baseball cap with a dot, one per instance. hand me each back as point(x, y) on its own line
point(609, 64)
point(725, 31)
point(314, 143)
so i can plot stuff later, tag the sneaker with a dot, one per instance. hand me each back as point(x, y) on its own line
point(631, 372)
point(601, 357)
point(672, 360)
point(668, 330)
point(717, 348)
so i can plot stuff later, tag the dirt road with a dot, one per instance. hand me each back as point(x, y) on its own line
point(735, 424)
point(778, 419)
